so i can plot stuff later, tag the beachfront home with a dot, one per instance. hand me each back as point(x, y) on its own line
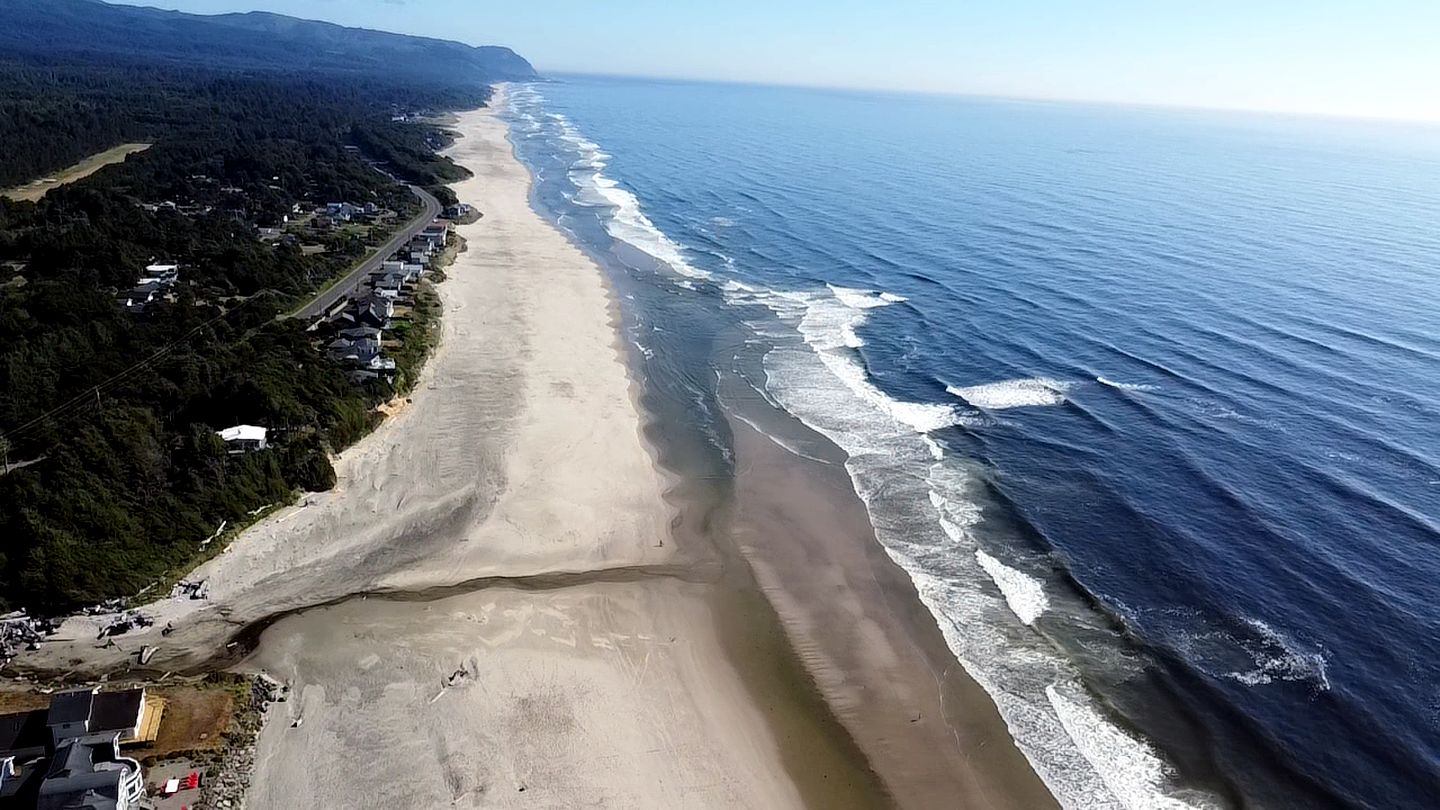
point(357, 350)
point(359, 332)
point(68, 756)
point(391, 285)
point(372, 310)
point(244, 439)
point(89, 773)
point(436, 233)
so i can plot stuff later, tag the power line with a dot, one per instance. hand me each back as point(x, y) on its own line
point(80, 400)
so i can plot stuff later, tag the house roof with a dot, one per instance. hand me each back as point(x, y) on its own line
point(23, 732)
point(243, 433)
point(83, 775)
point(117, 711)
point(71, 707)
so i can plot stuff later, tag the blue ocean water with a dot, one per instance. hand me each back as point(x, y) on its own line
point(1145, 401)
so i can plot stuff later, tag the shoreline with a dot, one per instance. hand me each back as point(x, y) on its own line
point(547, 587)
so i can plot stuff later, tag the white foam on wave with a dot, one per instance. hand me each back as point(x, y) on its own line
point(1028, 393)
point(1279, 659)
point(1127, 386)
point(858, 299)
point(627, 221)
point(1023, 593)
point(1130, 768)
point(829, 323)
point(925, 506)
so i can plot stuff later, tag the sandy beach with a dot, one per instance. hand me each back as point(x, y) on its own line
point(506, 602)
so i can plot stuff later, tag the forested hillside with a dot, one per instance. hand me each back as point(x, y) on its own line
point(62, 31)
point(118, 409)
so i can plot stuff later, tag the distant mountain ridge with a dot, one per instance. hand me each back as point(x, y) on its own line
point(254, 41)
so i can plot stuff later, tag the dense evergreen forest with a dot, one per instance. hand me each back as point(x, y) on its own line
point(118, 410)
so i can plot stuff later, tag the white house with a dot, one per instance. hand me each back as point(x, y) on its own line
point(163, 273)
point(244, 438)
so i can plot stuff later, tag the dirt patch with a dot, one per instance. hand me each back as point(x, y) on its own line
point(195, 720)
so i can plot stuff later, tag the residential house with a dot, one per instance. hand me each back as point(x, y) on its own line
point(166, 274)
point(68, 757)
point(436, 233)
point(89, 773)
point(154, 281)
point(137, 298)
point(391, 286)
point(341, 211)
point(355, 350)
point(372, 310)
point(244, 439)
point(358, 332)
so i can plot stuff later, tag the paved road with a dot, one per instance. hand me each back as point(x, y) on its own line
point(347, 285)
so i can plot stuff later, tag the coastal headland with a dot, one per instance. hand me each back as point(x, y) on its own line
point(506, 601)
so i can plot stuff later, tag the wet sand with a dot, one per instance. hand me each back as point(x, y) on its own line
point(928, 729)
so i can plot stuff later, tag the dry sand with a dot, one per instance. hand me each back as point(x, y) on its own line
point(602, 695)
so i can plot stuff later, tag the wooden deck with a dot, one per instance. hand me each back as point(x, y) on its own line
point(149, 721)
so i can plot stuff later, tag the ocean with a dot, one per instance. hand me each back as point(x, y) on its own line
point(1145, 401)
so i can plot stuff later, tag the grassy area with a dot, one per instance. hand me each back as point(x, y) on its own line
point(33, 191)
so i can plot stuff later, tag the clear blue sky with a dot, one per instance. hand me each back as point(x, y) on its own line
point(1357, 57)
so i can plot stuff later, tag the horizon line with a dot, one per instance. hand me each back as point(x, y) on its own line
point(983, 96)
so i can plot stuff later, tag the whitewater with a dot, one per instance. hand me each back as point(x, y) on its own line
point(1156, 454)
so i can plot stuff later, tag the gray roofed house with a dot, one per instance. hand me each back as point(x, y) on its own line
point(357, 332)
point(137, 298)
point(88, 773)
point(372, 310)
point(68, 757)
point(391, 285)
point(361, 350)
point(90, 711)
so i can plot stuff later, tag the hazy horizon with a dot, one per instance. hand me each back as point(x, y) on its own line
point(1324, 58)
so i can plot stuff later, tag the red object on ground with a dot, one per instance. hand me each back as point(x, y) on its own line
point(191, 782)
